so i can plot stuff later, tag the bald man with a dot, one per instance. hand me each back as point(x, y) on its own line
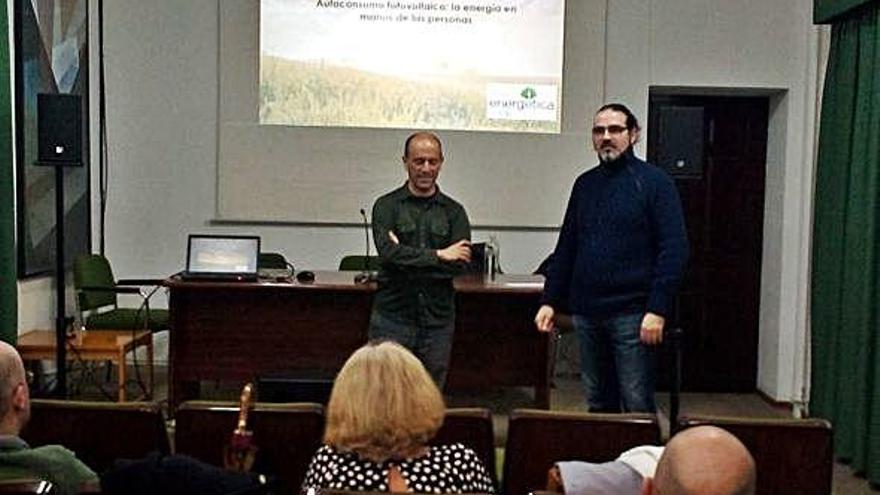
point(423, 239)
point(17, 460)
point(703, 460)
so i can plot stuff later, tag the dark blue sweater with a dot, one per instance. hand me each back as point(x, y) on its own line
point(622, 246)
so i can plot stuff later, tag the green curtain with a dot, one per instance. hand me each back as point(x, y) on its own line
point(829, 11)
point(846, 245)
point(8, 291)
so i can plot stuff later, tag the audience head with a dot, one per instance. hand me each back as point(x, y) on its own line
point(15, 408)
point(703, 460)
point(384, 404)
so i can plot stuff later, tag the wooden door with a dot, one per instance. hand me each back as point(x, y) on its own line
point(715, 148)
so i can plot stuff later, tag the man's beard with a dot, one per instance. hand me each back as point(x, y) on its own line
point(606, 156)
point(610, 155)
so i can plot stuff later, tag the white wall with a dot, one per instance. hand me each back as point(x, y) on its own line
point(768, 47)
point(322, 174)
point(162, 111)
point(36, 304)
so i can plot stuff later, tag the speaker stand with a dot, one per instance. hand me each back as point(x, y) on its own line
point(60, 284)
point(59, 136)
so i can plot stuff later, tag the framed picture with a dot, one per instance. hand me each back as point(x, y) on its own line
point(51, 56)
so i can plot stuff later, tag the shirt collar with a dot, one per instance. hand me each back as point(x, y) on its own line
point(406, 194)
point(12, 442)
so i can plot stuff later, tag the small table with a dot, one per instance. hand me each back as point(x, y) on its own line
point(91, 345)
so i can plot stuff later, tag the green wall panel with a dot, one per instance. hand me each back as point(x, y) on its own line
point(8, 291)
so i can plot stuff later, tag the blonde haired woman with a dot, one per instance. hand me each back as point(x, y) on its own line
point(383, 411)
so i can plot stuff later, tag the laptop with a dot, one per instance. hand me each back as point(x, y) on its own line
point(221, 257)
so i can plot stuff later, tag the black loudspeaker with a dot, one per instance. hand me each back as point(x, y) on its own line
point(59, 129)
point(680, 140)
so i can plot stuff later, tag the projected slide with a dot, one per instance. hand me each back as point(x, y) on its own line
point(493, 65)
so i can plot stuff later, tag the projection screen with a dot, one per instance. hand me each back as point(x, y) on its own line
point(306, 134)
point(471, 66)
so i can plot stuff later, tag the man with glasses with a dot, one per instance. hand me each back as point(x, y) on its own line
point(617, 265)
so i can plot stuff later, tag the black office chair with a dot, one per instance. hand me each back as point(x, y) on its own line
point(97, 303)
point(359, 262)
point(273, 261)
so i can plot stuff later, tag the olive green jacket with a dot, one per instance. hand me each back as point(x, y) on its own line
point(414, 284)
point(50, 462)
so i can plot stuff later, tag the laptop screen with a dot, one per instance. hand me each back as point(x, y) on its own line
point(217, 254)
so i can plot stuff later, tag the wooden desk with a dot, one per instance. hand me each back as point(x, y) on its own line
point(234, 331)
point(93, 345)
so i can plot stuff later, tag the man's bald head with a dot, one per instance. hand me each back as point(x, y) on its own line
point(418, 136)
point(704, 460)
point(14, 396)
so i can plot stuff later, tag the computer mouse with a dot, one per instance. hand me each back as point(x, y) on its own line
point(305, 276)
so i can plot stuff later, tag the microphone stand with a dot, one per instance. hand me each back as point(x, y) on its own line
point(365, 276)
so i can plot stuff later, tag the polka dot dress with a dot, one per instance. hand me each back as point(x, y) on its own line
point(444, 469)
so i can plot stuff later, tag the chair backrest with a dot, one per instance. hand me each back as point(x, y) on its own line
point(93, 270)
point(358, 262)
point(287, 436)
point(537, 438)
point(471, 427)
point(791, 455)
point(98, 432)
point(272, 261)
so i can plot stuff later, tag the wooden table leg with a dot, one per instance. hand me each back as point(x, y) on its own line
point(150, 365)
point(121, 362)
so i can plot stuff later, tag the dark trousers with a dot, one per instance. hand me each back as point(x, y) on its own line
point(617, 369)
point(430, 343)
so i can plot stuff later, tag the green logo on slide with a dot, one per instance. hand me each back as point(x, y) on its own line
point(528, 93)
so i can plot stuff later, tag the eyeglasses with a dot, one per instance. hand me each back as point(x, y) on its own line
point(614, 130)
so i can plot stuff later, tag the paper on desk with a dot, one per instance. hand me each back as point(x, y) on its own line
point(524, 284)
